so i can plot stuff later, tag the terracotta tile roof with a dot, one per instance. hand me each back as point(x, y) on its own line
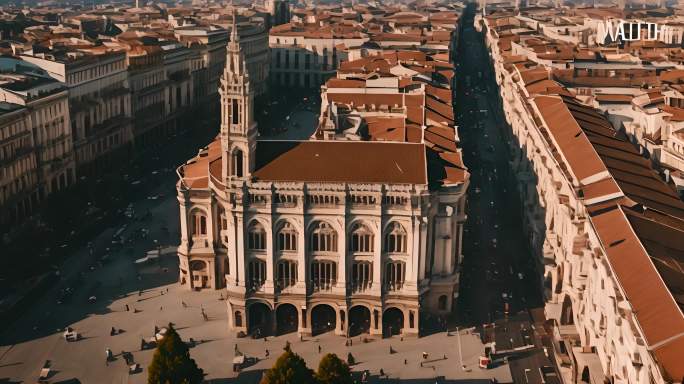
point(614, 98)
point(569, 137)
point(341, 161)
point(677, 114)
point(196, 170)
point(658, 314)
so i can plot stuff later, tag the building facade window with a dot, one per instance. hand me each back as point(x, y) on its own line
point(361, 239)
point(323, 238)
point(442, 303)
point(199, 224)
point(237, 163)
point(323, 275)
point(286, 274)
point(395, 239)
point(256, 237)
point(362, 276)
point(394, 275)
point(287, 238)
point(256, 274)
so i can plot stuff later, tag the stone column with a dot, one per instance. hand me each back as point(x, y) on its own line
point(338, 323)
point(240, 250)
point(376, 323)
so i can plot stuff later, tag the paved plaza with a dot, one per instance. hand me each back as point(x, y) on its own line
point(38, 335)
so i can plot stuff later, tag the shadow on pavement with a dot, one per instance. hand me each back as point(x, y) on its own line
point(79, 306)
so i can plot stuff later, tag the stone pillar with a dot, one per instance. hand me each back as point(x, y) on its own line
point(269, 285)
point(338, 323)
point(376, 322)
point(341, 286)
point(301, 254)
point(239, 250)
point(376, 287)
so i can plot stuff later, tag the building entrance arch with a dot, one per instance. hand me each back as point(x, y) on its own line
point(323, 319)
point(259, 320)
point(286, 319)
point(392, 322)
point(359, 320)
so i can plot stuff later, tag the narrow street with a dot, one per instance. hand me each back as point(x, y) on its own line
point(499, 293)
point(496, 267)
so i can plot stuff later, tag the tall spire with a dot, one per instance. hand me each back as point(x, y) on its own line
point(238, 128)
point(234, 37)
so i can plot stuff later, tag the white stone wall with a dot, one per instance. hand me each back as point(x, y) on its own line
point(579, 285)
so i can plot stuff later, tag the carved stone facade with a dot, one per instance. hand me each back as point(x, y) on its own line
point(309, 255)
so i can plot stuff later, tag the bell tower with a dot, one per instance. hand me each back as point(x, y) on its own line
point(238, 128)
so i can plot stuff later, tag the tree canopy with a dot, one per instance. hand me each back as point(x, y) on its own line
point(332, 370)
point(289, 368)
point(171, 363)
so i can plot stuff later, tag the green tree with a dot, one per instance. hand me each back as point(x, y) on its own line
point(289, 368)
point(172, 364)
point(332, 370)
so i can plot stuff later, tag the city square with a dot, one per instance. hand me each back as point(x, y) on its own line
point(38, 336)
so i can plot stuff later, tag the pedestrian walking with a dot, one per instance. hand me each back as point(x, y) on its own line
point(405, 362)
point(156, 329)
point(382, 373)
point(127, 308)
point(319, 349)
point(161, 308)
point(267, 353)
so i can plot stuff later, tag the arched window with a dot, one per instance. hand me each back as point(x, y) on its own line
point(395, 239)
point(256, 274)
point(442, 303)
point(256, 237)
point(394, 275)
point(237, 163)
point(361, 239)
point(323, 275)
point(287, 238)
point(199, 224)
point(286, 274)
point(323, 238)
point(362, 276)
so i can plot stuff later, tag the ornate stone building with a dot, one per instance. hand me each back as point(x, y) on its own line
point(312, 236)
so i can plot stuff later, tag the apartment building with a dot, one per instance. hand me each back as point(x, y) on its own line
point(329, 234)
point(99, 103)
point(602, 224)
point(307, 55)
point(37, 147)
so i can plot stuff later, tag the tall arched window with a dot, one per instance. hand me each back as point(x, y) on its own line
point(362, 275)
point(323, 275)
point(394, 275)
point(442, 303)
point(286, 274)
point(256, 274)
point(199, 224)
point(361, 239)
point(287, 238)
point(238, 169)
point(256, 237)
point(323, 238)
point(395, 239)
